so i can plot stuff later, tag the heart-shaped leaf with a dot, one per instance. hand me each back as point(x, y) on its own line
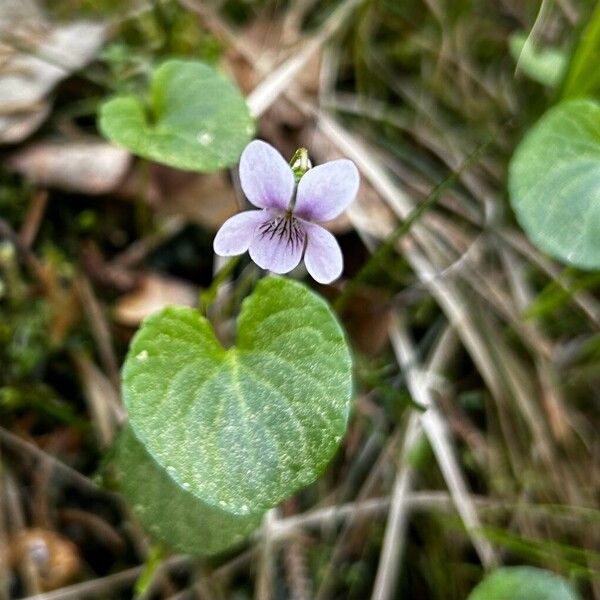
point(554, 183)
point(194, 118)
point(242, 428)
point(523, 583)
point(171, 513)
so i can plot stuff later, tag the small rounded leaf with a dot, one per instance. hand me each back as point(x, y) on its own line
point(546, 65)
point(242, 428)
point(554, 183)
point(194, 118)
point(523, 583)
point(170, 512)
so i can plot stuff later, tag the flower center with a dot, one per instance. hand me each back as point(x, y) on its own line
point(283, 228)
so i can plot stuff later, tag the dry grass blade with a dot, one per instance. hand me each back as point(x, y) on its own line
point(106, 411)
point(264, 580)
point(395, 532)
point(586, 302)
point(436, 431)
point(555, 405)
point(100, 329)
point(331, 515)
point(263, 96)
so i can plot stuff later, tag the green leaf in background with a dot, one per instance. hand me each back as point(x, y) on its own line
point(583, 74)
point(194, 118)
point(242, 428)
point(554, 183)
point(172, 514)
point(523, 583)
point(544, 65)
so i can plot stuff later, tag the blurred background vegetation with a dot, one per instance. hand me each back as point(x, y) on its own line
point(458, 311)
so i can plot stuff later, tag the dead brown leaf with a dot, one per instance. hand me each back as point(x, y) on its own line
point(89, 167)
point(205, 199)
point(153, 293)
point(35, 55)
point(208, 200)
point(368, 316)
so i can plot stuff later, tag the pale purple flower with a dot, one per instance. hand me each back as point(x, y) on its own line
point(285, 228)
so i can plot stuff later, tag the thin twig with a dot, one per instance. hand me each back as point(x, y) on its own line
point(33, 218)
point(99, 327)
point(27, 256)
point(17, 443)
point(109, 584)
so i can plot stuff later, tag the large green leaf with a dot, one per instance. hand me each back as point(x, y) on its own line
point(171, 513)
point(242, 428)
point(523, 583)
point(194, 118)
point(554, 183)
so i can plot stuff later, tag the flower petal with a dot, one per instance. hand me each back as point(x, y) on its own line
point(323, 257)
point(238, 231)
point(278, 245)
point(267, 180)
point(325, 191)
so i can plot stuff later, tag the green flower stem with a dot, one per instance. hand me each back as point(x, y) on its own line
point(208, 295)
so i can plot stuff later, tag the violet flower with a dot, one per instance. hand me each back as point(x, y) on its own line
point(285, 229)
